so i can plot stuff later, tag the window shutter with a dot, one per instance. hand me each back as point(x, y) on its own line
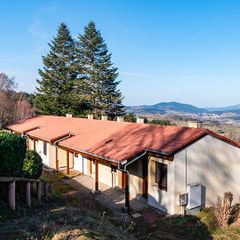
point(153, 172)
point(45, 148)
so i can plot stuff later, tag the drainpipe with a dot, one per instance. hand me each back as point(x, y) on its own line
point(186, 172)
point(56, 146)
point(124, 170)
point(186, 179)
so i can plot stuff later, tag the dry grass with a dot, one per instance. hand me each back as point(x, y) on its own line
point(79, 216)
point(58, 185)
point(230, 233)
point(75, 216)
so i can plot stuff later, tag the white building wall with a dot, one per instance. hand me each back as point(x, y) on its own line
point(30, 144)
point(105, 174)
point(213, 163)
point(163, 200)
point(52, 156)
point(136, 179)
point(39, 150)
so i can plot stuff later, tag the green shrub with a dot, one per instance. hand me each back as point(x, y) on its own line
point(208, 218)
point(130, 117)
point(32, 167)
point(235, 213)
point(163, 122)
point(12, 154)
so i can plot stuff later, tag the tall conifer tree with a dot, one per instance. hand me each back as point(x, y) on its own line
point(98, 73)
point(57, 86)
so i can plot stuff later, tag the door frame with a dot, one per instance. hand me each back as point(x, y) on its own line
point(145, 177)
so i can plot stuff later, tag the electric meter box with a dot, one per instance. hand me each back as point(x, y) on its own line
point(195, 195)
point(183, 199)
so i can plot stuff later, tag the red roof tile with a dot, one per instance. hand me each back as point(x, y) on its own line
point(113, 140)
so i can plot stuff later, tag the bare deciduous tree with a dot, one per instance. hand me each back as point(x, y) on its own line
point(7, 104)
point(12, 109)
point(6, 84)
point(24, 109)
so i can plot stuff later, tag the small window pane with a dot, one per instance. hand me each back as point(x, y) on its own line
point(45, 148)
point(161, 176)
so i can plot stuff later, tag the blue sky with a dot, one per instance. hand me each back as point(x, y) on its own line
point(166, 50)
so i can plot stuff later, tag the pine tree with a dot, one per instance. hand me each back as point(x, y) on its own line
point(98, 73)
point(56, 93)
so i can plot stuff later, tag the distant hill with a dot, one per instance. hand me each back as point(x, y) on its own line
point(234, 108)
point(164, 107)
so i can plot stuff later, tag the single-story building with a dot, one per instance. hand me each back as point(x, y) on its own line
point(170, 167)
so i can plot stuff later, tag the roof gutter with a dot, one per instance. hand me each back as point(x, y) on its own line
point(23, 133)
point(134, 160)
point(55, 142)
point(92, 154)
point(42, 139)
point(124, 170)
point(29, 130)
point(126, 163)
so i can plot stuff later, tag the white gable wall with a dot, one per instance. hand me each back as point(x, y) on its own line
point(213, 163)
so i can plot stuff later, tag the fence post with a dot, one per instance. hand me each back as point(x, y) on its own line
point(12, 195)
point(28, 194)
point(39, 192)
point(46, 189)
point(50, 189)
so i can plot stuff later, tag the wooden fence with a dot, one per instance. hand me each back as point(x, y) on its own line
point(42, 189)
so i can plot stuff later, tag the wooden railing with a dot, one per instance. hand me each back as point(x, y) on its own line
point(42, 189)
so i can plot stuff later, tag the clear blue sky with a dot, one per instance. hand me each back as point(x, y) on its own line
point(186, 51)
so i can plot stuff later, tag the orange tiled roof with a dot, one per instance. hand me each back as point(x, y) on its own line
point(111, 139)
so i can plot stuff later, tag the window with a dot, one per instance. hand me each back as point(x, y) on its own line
point(161, 176)
point(44, 148)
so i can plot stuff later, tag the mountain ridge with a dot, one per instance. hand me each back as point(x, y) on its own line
point(224, 109)
point(165, 107)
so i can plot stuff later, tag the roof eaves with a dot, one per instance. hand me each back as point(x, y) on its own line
point(62, 136)
point(51, 140)
point(153, 151)
point(183, 146)
point(90, 154)
point(30, 129)
point(37, 137)
point(223, 138)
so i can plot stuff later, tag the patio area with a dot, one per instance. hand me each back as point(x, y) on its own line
point(111, 198)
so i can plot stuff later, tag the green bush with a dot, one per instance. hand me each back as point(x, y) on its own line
point(12, 154)
point(32, 167)
point(207, 217)
point(130, 117)
point(163, 122)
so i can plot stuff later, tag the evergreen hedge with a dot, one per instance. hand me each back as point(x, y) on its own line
point(32, 167)
point(12, 154)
